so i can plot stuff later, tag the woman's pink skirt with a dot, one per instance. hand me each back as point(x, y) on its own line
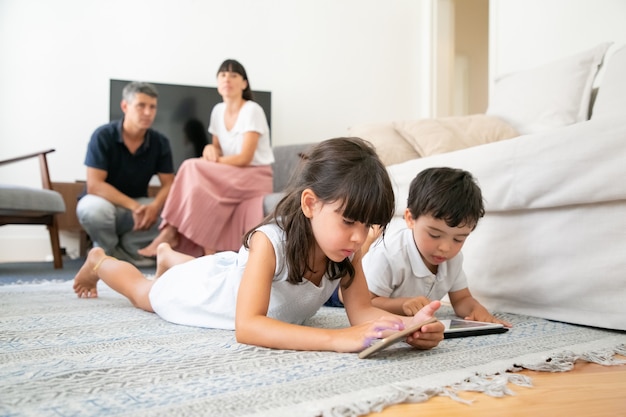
point(213, 205)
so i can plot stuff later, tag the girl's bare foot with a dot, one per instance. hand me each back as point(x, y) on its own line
point(169, 235)
point(162, 263)
point(86, 280)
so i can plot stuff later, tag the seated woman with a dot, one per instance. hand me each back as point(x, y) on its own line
point(217, 198)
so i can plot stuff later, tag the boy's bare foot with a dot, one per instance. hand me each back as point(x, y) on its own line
point(169, 235)
point(86, 280)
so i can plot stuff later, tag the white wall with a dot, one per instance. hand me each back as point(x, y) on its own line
point(527, 33)
point(329, 64)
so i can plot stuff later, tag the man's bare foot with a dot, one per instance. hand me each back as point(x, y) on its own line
point(86, 280)
point(169, 235)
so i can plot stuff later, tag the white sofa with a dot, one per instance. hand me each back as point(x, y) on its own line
point(553, 241)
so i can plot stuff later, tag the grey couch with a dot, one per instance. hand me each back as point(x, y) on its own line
point(286, 161)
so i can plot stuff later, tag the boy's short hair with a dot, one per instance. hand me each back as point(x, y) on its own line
point(448, 194)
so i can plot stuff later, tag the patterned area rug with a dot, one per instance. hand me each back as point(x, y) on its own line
point(63, 356)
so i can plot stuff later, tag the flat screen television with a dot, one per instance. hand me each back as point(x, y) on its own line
point(179, 105)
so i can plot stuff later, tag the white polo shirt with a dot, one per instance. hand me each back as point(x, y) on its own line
point(394, 268)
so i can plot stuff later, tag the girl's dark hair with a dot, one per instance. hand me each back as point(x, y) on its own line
point(196, 134)
point(345, 170)
point(448, 194)
point(231, 65)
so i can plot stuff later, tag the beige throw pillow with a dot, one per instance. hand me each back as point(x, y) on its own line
point(447, 134)
point(391, 147)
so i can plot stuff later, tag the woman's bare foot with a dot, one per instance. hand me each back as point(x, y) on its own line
point(168, 257)
point(86, 280)
point(169, 235)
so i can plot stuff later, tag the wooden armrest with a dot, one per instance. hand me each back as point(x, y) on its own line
point(43, 165)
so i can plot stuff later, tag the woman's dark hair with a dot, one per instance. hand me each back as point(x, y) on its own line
point(449, 194)
point(345, 170)
point(231, 65)
point(196, 134)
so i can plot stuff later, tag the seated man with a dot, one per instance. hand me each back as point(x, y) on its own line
point(122, 156)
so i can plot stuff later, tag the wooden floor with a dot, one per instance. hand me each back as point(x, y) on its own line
point(588, 390)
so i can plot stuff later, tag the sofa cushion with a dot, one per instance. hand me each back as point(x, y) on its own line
point(611, 98)
point(286, 160)
point(29, 201)
point(554, 95)
point(391, 146)
point(446, 134)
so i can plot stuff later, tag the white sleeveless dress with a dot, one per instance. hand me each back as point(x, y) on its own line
point(203, 291)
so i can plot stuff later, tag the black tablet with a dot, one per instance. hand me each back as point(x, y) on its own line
point(464, 328)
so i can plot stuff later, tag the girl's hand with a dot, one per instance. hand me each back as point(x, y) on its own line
point(429, 335)
point(356, 338)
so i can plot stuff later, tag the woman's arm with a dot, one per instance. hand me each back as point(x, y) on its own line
point(250, 142)
point(214, 152)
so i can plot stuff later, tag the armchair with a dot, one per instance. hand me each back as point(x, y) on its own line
point(25, 205)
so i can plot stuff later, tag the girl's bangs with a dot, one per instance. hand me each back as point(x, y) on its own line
point(369, 205)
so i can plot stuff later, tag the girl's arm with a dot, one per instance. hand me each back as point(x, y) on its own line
point(357, 302)
point(252, 326)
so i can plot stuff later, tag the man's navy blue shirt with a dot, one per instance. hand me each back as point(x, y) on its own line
point(129, 173)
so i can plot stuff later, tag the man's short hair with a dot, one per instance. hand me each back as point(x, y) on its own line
point(133, 88)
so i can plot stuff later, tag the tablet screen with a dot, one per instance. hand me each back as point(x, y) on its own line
point(462, 328)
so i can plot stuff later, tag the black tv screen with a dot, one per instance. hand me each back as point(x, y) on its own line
point(177, 105)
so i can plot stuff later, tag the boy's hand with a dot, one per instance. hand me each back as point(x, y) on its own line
point(429, 335)
point(479, 314)
point(373, 234)
point(412, 306)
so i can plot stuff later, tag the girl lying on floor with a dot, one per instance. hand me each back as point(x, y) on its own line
point(288, 266)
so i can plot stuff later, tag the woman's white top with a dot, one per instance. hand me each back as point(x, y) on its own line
point(251, 118)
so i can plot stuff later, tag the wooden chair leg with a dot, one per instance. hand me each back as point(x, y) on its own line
point(56, 245)
point(84, 243)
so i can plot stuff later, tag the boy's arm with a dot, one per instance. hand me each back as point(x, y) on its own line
point(467, 307)
point(405, 306)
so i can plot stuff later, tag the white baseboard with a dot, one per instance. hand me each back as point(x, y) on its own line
point(32, 244)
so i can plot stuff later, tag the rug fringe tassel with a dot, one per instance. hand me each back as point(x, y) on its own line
point(401, 394)
point(564, 361)
point(494, 385)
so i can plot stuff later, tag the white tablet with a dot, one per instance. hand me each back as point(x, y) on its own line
point(463, 328)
